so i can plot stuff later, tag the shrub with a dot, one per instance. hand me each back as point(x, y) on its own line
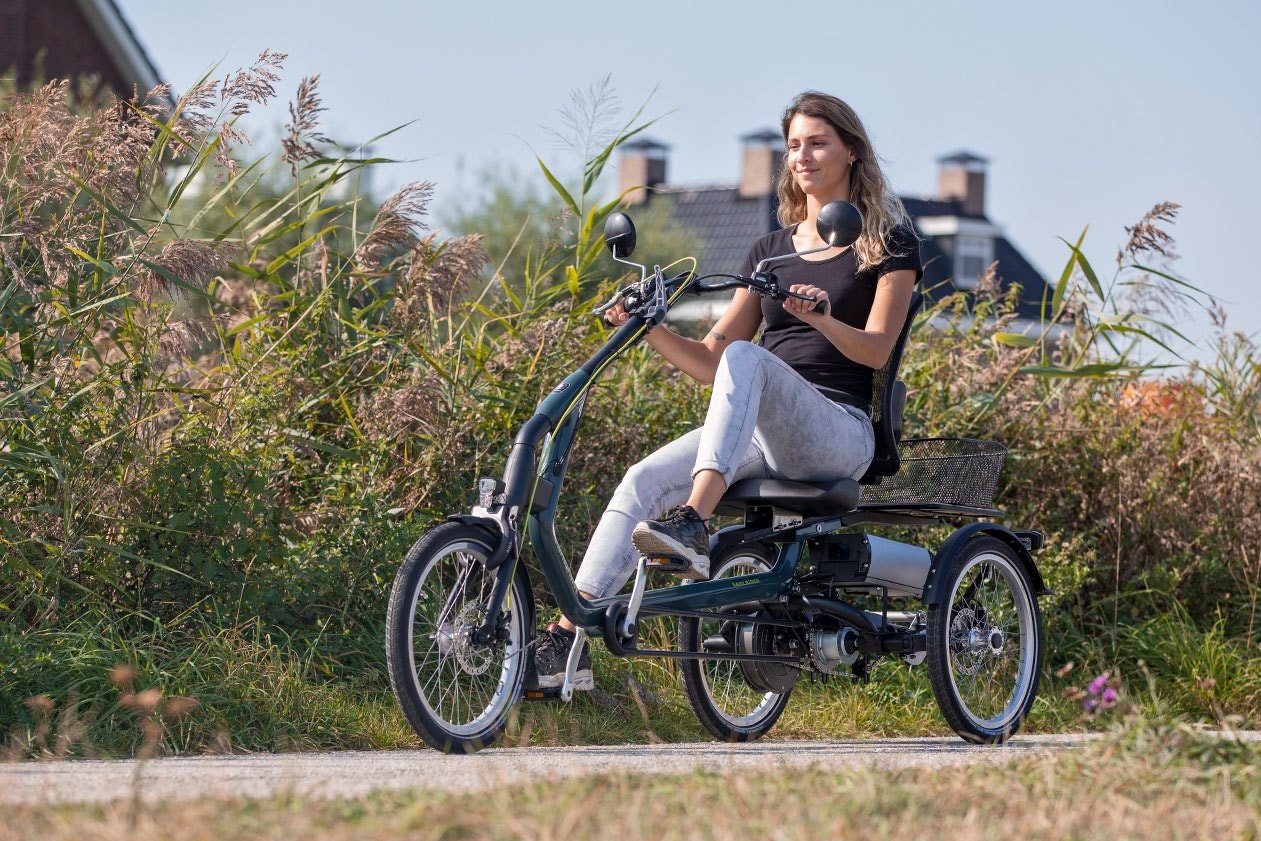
point(232, 394)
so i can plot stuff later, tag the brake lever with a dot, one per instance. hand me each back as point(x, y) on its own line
point(660, 304)
point(639, 293)
point(605, 307)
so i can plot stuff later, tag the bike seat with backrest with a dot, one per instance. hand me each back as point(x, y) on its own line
point(821, 498)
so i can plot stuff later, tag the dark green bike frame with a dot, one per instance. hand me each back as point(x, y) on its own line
point(534, 479)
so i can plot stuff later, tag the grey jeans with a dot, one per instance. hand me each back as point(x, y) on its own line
point(764, 421)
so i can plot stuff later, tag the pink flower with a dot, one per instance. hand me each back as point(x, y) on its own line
point(1109, 698)
point(1097, 685)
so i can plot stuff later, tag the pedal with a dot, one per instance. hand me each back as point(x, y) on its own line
point(543, 695)
point(665, 563)
point(531, 691)
point(673, 565)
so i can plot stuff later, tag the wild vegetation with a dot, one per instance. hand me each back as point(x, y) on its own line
point(232, 392)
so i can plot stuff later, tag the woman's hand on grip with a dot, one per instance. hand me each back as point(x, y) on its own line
point(616, 315)
point(808, 311)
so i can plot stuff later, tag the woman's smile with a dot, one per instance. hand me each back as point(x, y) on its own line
point(818, 158)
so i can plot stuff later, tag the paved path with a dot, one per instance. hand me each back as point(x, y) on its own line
point(347, 774)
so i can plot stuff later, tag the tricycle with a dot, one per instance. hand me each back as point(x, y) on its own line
point(797, 586)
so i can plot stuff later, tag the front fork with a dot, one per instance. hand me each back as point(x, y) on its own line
point(490, 632)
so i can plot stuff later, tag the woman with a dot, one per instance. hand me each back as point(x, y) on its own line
point(790, 407)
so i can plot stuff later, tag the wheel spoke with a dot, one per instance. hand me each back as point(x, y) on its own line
point(990, 637)
point(718, 689)
point(462, 690)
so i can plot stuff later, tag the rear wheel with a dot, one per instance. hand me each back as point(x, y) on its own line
point(985, 643)
point(719, 691)
point(455, 689)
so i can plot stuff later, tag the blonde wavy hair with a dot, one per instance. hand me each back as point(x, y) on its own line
point(869, 191)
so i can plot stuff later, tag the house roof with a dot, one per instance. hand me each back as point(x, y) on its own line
point(644, 144)
point(63, 39)
point(726, 224)
point(932, 207)
point(120, 41)
point(937, 253)
point(1013, 267)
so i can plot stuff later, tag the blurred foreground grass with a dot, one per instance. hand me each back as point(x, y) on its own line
point(1149, 778)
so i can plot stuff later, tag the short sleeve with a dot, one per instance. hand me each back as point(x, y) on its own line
point(750, 261)
point(901, 253)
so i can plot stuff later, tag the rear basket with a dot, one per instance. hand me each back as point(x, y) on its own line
point(950, 472)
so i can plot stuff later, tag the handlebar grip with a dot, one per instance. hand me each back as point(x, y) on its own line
point(784, 294)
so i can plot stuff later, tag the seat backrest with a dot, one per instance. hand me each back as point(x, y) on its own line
point(888, 399)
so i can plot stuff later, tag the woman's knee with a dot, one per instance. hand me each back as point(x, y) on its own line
point(637, 479)
point(734, 362)
point(743, 358)
point(739, 351)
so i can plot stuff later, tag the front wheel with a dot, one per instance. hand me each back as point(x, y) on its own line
point(719, 691)
point(455, 689)
point(985, 643)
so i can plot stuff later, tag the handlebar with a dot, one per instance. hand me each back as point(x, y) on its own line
point(763, 283)
point(838, 224)
point(650, 297)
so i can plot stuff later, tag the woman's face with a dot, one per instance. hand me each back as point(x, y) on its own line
point(818, 159)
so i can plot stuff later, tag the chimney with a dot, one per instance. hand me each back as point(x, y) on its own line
point(961, 177)
point(643, 164)
point(763, 158)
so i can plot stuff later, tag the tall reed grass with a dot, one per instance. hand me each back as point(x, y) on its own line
point(233, 391)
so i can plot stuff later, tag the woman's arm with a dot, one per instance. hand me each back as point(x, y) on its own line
point(699, 359)
point(871, 345)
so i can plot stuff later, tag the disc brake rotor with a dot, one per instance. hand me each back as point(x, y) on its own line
point(969, 641)
point(473, 659)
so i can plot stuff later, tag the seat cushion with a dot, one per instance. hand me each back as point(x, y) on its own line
point(806, 498)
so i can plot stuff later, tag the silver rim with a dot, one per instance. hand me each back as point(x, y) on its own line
point(463, 686)
point(739, 704)
point(991, 637)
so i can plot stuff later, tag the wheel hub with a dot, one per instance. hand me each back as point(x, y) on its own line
point(983, 640)
point(761, 640)
point(829, 650)
point(445, 638)
point(997, 641)
point(971, 641)
point(474, 659)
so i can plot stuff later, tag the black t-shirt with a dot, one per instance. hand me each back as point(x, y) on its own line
point(851, 292)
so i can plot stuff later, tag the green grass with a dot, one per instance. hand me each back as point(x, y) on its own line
point(258, 691)
point(254, 691)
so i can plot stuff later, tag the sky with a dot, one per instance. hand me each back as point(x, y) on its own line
point(1089, 111)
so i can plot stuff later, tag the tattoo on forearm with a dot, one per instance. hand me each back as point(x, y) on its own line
point(722, 337)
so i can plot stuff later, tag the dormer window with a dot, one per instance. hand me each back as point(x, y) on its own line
point(973, 254)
